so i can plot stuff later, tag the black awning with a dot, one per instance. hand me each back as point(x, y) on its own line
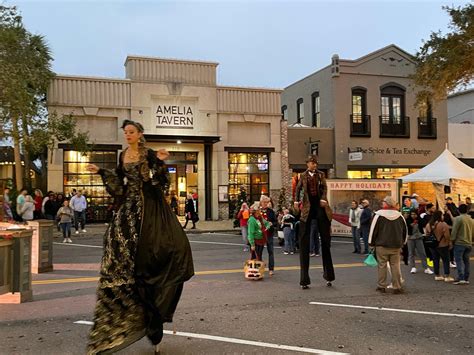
point(183, 139)
point(249, 149)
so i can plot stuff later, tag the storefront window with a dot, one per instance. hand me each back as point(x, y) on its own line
point(359, 174)
point(183, 173)
point(77, 177)
point(250, 171)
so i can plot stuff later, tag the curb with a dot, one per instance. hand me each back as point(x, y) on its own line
point(200, 231)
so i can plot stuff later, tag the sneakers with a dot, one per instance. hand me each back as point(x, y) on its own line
point(292, 252)
point(448, 279)
point(380, 289)
point(398, 291)
point(84, 231)
point(271, 273)
point(77, 232)
point(452, 265)
point(65, 240)
point(317, 254)
point(460, 282)
point(439, 278)
point(312, 254)
point(286, 253)
point(69, 240)
point(413, 270)
point(428, 271)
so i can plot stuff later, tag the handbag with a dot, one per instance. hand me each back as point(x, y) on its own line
point(430, 240)
point(370, 260)
point(254, 269)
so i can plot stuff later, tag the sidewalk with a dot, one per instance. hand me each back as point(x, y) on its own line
point(201, 227)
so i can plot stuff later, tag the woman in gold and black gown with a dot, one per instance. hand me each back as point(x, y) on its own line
point(147, 256)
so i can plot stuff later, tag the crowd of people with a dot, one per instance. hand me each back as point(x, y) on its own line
point(393, 234)
point(304, 225)
point(65, 211)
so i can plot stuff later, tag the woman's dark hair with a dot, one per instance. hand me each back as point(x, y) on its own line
point(437, 216)
point(137, 125)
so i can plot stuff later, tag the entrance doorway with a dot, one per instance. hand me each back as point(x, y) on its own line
point(183, 171)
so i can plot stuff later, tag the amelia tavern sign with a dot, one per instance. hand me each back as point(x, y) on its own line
point(174, 116)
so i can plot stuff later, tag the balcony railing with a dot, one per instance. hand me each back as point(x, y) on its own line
point(395, 127)
point(427, 127)
point(360, 125)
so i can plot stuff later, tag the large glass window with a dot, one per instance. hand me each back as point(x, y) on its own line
point(77, 177)
point(251, 171)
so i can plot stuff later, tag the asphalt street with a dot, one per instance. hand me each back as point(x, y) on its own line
point(222, 313)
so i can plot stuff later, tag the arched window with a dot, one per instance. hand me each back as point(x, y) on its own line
point(316, 110)
point(284, 112)
point(392, 103)
point(360, 121)
point(299, 110)
point(393, 122)
point(359, 104)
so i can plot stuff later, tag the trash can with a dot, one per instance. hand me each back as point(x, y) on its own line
point(21, 289)
point(41, 245)
point(5, 265)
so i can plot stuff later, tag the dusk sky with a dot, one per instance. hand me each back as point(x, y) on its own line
point(257, 43)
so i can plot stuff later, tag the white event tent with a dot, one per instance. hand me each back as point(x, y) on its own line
point(445, 170)
point(441, 170)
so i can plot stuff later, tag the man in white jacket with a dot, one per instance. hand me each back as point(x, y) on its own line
point(354, 220)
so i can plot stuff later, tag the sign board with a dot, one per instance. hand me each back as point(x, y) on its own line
point(341, 192)
point(174, 116)
point(355, 156)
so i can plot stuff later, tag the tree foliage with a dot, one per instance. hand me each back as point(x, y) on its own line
point(25, 75)
point(446, 62)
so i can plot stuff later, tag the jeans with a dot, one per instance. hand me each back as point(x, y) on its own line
point(271, 257)
point(442, 253)
point(356, 238)
point(79, 216)
point(289, 239)
point(461, 254)
point(314, 245)
point(245, 233)
point(257, 253)
point(416, 245)
point(66, 228)
point(365, 237)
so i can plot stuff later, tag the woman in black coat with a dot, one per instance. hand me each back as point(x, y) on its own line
point(190, 211)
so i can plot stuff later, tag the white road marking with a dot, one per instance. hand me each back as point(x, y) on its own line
point(253, 343)
point(80, 245)
point(394, 310)
point(85, 322)
point(240, 341)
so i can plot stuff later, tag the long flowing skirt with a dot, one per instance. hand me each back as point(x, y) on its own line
point(146, 260)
